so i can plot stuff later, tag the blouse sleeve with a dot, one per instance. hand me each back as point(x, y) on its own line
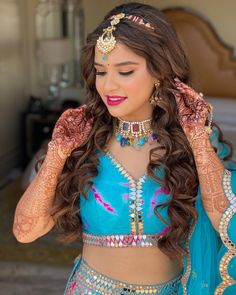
point(210, 267)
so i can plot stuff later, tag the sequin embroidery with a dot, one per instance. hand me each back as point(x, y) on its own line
point(227, 280)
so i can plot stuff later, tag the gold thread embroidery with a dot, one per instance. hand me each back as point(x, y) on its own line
point(186, 276)
point(227, 280)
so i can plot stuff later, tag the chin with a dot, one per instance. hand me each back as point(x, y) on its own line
point(117, 112)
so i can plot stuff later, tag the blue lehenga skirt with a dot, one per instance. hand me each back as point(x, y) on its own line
point(86, 280)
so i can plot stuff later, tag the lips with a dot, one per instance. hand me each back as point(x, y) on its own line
point(115, 99)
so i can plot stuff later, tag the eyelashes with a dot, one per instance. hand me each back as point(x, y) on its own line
point(121, 73)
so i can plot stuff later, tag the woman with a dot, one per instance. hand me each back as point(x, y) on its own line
point(126, 170)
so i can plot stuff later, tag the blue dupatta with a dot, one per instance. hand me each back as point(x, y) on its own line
point(208, 253)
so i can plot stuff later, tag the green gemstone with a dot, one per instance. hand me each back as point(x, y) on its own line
point(136, 144)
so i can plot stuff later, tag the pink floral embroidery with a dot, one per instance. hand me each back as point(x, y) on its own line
point(99, 199)
point(85, 223)
point(73, 285)
point(125, 197)
point(126, 184)
point(164, 231)
point(154, 199)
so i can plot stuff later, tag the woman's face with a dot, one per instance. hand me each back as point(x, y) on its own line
point(124, 83)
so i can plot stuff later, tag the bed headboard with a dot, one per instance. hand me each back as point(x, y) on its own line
point(212, 63)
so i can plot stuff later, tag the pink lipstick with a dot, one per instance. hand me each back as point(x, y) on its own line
point(113, 100)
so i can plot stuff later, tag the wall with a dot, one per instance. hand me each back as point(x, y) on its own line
point(35, 87)
point(221, 14)
point(13, 76)
point(18, 71)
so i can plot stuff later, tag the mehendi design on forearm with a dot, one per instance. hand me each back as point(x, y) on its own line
point(210, 172)
point(193, 112)
point(33, 208)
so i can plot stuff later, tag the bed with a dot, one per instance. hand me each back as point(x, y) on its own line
point(212, 63)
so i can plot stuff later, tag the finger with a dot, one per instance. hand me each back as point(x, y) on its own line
point(180, 103)
point(196, 103)
point(184, 90)
point(179, 99)
point(190, 94)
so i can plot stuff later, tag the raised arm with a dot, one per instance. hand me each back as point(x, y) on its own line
point(193, 111)
point(32, 215)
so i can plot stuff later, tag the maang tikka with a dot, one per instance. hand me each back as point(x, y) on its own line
point(134, 134)
point(106, 42)
point(155, 98)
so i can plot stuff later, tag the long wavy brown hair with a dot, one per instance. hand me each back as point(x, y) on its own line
point(165, 60)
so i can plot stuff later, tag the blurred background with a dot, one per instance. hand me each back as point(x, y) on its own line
point(40, 50)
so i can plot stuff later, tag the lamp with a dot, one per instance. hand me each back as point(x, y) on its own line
point(56, 55)
point(56, 51)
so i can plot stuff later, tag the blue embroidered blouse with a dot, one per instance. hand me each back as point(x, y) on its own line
point(119, 208)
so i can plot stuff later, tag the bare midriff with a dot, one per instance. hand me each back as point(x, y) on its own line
point(135, 265)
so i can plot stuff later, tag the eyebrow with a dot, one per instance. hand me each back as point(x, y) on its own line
point(124, 63)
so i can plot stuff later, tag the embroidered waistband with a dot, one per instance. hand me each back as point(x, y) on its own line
point(128, 240)
point(87, 280)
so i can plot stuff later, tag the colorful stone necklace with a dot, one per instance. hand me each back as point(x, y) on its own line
point(135, 134)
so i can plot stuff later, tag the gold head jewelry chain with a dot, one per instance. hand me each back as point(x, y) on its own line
point(106, 42)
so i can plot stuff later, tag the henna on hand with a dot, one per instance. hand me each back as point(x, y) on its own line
point(193, 112)
point(210, 173)
point(32, 216)
point(192, 109)
point(71, 130)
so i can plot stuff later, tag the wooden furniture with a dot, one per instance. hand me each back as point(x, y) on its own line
point(212, 62)
point(36, 129)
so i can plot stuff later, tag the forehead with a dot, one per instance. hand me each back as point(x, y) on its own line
point(119, 54)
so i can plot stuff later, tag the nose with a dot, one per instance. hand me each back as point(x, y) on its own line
point(110, 83)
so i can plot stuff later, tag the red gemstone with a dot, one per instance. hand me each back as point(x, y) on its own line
point(135, 127)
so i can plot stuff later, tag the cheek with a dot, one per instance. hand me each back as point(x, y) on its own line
point(134, 85)
point(139, 86)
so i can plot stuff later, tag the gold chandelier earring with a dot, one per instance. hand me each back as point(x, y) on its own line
point(155, 98)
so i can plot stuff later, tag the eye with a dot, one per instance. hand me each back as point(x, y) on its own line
point(100, 73)
point(126, 73)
